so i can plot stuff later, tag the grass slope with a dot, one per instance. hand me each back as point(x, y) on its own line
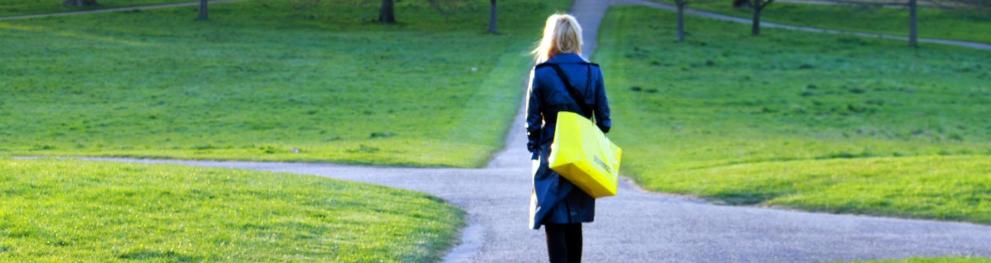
point(263, 78)
point(959, 24)
point(811, 121)
point(28, 7)
point(91, 211)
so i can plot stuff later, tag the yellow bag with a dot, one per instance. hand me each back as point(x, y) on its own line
point(582, 154)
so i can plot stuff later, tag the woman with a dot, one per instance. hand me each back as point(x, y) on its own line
point(561, 81)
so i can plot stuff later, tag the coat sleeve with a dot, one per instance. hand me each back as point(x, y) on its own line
point(533, 117)
point(601, 110)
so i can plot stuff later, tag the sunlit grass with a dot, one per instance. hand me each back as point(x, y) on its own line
point(949, 188)
point(269, 80)
point(819, 122)
point(56, 211)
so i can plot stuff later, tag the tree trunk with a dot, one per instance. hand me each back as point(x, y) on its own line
point(913, 29)
point(387, 14)
point(681, 20)
point(492, 17)
point(755, 24)
point(203, 10)
point(79, 2)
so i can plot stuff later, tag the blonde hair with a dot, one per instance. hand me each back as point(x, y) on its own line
point(562, 34)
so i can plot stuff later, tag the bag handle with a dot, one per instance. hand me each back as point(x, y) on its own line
point(585, 108)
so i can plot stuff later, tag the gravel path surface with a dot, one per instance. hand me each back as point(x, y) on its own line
point(638, 226)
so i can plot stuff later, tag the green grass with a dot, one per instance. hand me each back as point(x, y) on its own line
point(28, 7)
point(934, 260)
point(63, 210)
point(818, 122)
point(951, 187)
point(264, 77)
point(959, 24)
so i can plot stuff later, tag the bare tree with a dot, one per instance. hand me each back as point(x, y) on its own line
point(79, 2)
point(203, 10)
point(492, 17)
point(681, 18)
point(387, 14)
point(913, 29)
point(757, 6)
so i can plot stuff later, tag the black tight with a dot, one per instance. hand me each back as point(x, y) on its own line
point(564, 242)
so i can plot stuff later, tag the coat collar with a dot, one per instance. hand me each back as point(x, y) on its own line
point(566, 58)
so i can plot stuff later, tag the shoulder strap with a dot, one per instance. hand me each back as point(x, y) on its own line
point(572, 90)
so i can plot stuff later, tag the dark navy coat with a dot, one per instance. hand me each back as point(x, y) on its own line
point(554, 199)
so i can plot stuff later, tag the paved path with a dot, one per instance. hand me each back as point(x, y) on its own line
point(765, 24)
point(115, 9)
point(638, 226)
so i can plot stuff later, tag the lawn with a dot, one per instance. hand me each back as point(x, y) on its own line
point(959, 24)
point(64, 210)
point(818, 122)
point(27, 7)
point(270, 80)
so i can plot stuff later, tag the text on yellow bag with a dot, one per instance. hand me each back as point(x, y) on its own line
point(582, 154)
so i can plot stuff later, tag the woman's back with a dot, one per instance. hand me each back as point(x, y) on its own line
point(552, 94)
